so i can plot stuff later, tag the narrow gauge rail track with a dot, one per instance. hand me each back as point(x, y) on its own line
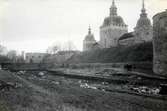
point(109, 80)
point(88, 77)
point(59, 73)
point(76, 76)
point(100, 79)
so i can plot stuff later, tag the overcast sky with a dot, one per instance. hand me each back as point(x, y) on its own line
point(33, 25)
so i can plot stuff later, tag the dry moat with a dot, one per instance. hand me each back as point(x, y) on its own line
point(49, 91)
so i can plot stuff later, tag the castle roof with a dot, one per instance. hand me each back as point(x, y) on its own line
point(90, 36)
point(113, 19)
point(143, 20)
point(126, 36)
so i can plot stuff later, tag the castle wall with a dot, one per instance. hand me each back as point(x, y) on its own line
point(160, 43)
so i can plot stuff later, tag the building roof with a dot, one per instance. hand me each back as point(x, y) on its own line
point(143, 20)
point(126, 36)
point(90, 36)
point(113, 19)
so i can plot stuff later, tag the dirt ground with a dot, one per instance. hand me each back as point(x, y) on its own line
point(54, 93)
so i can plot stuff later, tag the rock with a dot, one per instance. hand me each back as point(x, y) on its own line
point(41, 74)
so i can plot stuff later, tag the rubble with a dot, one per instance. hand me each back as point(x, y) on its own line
point(85, 85)
point(41, 73)
point(55, 82)
point(21, 72)
point(145, 90)
point(7, 86)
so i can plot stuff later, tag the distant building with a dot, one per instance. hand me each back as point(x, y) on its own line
point(112, 28)
point(89, 41)
point(143, 32)
point(35, 57)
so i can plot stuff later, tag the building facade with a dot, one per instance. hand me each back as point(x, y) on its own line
point(35, 57)
point(112, 28)
point(89, 41)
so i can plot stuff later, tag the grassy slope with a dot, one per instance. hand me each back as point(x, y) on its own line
point(137, 53)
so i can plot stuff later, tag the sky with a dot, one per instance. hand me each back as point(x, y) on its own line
point(34, 25)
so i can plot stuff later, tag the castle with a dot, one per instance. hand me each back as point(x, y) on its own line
point(114, 31)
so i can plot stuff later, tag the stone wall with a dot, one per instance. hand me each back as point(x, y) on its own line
point(160, 43)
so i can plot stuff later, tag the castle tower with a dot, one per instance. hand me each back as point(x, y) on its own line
point(89, 41)
point(143, 30)
point(159, 43)
point(112, 28)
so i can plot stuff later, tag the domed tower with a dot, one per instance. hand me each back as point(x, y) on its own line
point(143, 29)
point(89, 41)
point(112, 28)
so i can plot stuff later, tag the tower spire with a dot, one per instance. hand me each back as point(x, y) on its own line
point(143, 6)
point(143, 10)
point(113, 2)
point(113, 9)
point(89, 32)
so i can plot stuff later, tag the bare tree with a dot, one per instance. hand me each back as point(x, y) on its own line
point(53, 49)
point(69, 46)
